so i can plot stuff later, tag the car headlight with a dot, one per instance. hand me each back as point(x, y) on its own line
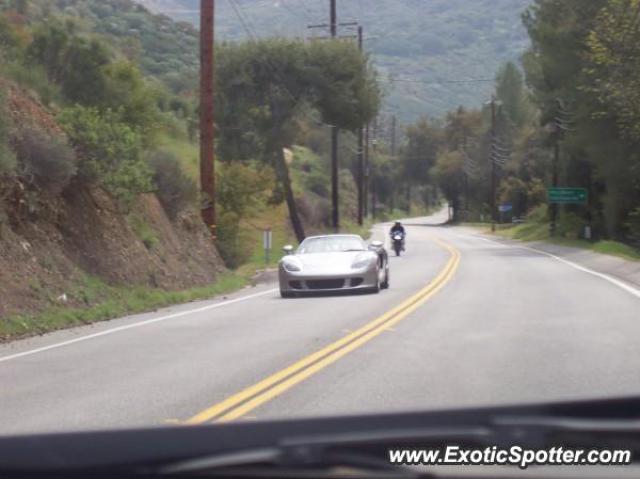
point(291, 265)
point(364, 260)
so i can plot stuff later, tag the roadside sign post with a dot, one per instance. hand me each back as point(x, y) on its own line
point(504, 208)
point(267, 238)
point(560, 195)
point(567, 196)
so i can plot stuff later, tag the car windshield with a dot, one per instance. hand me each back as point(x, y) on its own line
point(332, 244)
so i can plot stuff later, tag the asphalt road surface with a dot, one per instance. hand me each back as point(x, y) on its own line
point(466, 321)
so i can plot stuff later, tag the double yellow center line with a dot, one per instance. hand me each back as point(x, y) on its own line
point(254, 396)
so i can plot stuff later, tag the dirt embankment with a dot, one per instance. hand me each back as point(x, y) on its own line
point(46, 254)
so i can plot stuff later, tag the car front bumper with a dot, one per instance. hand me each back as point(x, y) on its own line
point(302, 282)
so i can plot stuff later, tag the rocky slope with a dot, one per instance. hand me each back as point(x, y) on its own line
point(49, 251)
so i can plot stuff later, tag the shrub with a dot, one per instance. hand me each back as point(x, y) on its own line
point(570, 225)
point(35, 78)
point(127, 91)
point(317, 183)
point(175, 190)
point(242, 190)
point(109, 152)
point(232, 247)
point(539, 214)
point(143, 231)
point(7, 158)
point(45, 160)
point(9, 39)
point(633, 226)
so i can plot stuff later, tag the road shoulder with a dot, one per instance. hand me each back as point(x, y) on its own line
point(624, 269)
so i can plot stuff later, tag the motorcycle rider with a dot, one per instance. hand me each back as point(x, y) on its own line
point(398, 228)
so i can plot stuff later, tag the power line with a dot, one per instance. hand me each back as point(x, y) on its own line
point(243, 22)
point(306, 8)
point(293, 13)
point(253, 37)
point(435, 82)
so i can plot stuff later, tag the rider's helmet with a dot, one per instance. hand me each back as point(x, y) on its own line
point(397, 223)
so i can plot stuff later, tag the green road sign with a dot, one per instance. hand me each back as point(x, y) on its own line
point(563, 195)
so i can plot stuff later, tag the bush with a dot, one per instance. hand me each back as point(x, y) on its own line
point(143, 231)
point(570, 225)
point(242, 191)
point(109, 152)
point(127, 91)
point(175, 190)
point(633, 227)
point(7, 158)
point(539, 214)
point(35, 78)
point(44, 160)
point(232, 246)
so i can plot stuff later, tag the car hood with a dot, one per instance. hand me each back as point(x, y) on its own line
point(329, 262)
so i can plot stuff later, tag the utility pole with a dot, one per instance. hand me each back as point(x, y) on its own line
point(335, 198)
point(361, 166)
point(365, 186)
point(393, 136)
point(333, 18)
point(492, 202)
point(561, 122)
point(207, 155)
point(554, 179)
point(392, 199)
point(372, 186)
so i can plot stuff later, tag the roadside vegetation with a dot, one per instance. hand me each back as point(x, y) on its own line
point(577, 91)
point(115, 97)
point(536, 228)
point(103, 301)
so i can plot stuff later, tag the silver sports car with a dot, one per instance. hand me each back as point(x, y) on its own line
point(333, 263)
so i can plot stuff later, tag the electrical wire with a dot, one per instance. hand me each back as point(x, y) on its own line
point(250, 32)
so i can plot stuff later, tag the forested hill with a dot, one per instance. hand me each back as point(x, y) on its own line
point(163, 48)
point(430, 42)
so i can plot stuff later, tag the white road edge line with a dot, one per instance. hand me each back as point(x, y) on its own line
point(135, 325)
point(620, 284)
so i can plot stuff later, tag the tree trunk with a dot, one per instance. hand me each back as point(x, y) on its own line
point(282, 170)
point(455, 205)
point(409, 199)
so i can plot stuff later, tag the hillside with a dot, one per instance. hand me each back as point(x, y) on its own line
point(166, 49)
point(96, 218)
point(430, 43)
point(99, 164)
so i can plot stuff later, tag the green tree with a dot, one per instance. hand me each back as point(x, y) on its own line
point(423, 140)
point(614, 67)
point(109, 151)
point(126, 90)
point(577, 89)
point(449, 175)
point(265, 87)
point(510, 90)
point(74, 62)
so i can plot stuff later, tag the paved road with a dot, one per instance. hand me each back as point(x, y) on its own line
point(485, 323)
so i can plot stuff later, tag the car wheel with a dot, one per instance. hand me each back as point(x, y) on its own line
point(376, 288)
point(286, 294)
point(385, 283)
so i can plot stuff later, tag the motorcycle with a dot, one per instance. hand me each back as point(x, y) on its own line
point(397, 238)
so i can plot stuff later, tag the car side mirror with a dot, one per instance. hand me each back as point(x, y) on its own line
point(288, 249)
point(375, 245)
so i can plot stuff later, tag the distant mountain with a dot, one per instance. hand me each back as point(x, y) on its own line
point(425, 50)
